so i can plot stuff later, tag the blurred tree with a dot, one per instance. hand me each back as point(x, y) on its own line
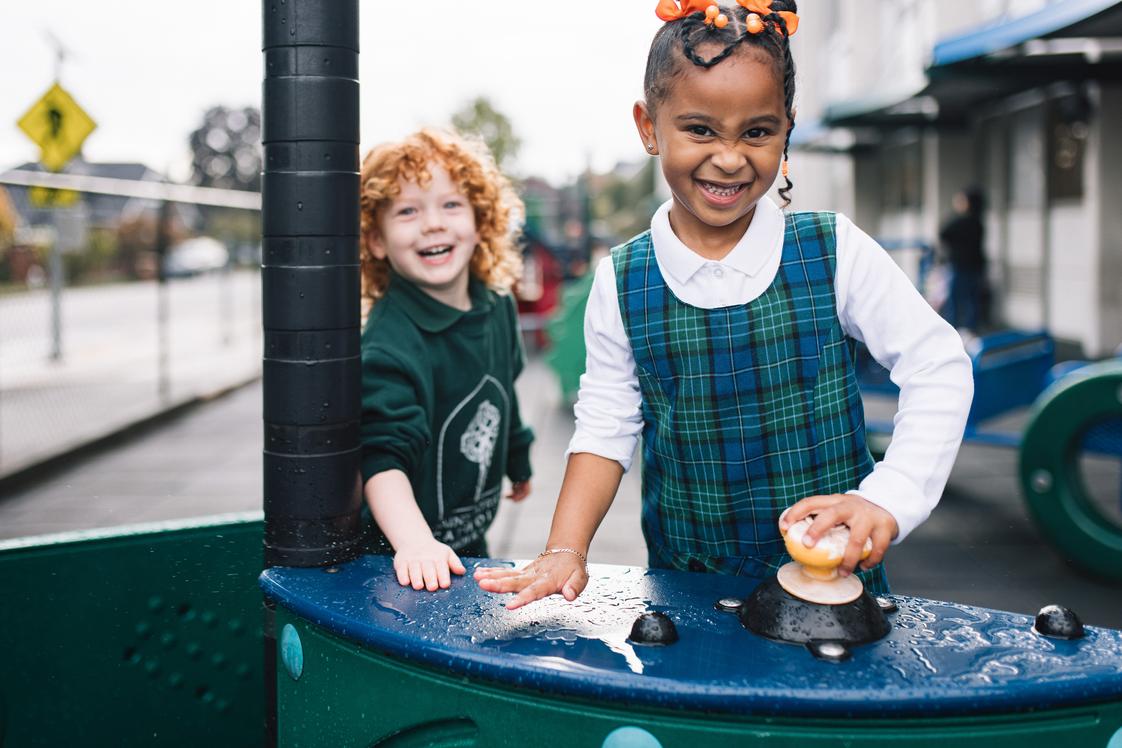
point(96, 262)
point(623, 201)
point(7, 219)
point(478, 117)
point(226, 149)
point(136, 243)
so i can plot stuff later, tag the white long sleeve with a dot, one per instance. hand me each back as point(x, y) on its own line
point(876, 303)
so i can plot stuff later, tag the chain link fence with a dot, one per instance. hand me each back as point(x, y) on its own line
point(119, 359)
point(82, 360)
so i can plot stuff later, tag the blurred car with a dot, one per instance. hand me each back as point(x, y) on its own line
point(193, 256)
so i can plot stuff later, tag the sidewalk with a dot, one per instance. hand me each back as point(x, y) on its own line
point(117, 368)
point(979, 547)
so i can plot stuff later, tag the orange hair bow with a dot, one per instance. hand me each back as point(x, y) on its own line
point(763, 8)
point(672, 10)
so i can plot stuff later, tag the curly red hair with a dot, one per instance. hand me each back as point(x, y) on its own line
point(497, 260)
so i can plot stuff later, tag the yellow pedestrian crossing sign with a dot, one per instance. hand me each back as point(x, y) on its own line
point(58, 125)
point(50, 197)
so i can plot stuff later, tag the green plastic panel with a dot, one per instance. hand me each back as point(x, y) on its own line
point(347, 696)
point(566, 334)
point(141, 636)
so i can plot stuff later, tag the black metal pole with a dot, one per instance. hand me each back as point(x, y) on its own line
point(310, 282)
point(163, 312)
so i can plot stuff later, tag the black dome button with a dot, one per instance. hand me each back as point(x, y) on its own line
point(1058, 622)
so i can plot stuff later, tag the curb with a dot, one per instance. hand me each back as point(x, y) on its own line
point(39, 470)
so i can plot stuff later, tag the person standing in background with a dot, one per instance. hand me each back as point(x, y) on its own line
point(963, 238)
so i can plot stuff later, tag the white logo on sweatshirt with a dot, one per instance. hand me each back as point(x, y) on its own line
point(478, 441)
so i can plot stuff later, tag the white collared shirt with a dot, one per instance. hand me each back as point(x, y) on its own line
point(876, 304)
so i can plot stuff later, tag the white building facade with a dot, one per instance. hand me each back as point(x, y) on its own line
point(902, 103)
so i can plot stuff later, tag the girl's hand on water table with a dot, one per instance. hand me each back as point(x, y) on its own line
point(555, 573)
point(426, 565)
point(519, 490)
point(864, 519)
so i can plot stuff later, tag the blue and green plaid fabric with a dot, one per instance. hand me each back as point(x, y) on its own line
point(747, 409)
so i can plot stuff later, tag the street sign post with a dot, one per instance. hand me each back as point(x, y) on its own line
point(58, 126)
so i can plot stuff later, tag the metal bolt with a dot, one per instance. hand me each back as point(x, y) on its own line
point(1042, 481)
point(729, 604)
point(331, 569)
point(831, 649)
point(886, 605)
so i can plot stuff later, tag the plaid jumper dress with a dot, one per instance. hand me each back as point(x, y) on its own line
point(747, 409)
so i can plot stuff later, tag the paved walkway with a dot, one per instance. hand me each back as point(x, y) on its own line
point(979, 547)
point(118, 364)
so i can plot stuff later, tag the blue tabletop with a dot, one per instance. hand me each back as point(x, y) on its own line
point(939, 659)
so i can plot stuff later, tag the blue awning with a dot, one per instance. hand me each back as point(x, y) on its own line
point(1066, 41)
point(1067, 19)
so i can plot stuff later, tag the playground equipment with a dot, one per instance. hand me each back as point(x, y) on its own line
point(367, 662)
point(145, 635)
point(1080, 412)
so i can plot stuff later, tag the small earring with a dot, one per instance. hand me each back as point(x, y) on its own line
point(650, 146)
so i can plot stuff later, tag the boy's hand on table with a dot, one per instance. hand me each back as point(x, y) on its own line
point(519, 490)
point(864, 519)
point(562, 573)
point(425, 565)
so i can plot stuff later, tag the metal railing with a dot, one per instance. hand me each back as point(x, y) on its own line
point(83, 362)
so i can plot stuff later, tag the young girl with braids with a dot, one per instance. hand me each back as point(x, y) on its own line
point(440, 352)
point(724, 336)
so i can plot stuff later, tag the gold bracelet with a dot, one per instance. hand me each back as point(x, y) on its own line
point(574, 551)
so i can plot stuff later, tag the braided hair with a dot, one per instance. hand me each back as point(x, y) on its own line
point(680, 40)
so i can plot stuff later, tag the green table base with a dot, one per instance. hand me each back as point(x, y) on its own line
point(346, 696)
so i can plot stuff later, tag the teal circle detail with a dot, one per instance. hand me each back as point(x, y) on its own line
point(1115, 739)
point(635, 737)
point(292, 651)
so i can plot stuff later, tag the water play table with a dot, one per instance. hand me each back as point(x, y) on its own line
point(367, 662)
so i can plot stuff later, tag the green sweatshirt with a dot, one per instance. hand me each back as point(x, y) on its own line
point(438, 403)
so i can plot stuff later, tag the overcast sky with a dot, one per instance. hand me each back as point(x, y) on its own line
point(146, 70)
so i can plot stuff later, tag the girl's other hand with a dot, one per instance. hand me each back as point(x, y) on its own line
point(426, 565)
point(519, 490)
point(562, 573)
point(863, 518)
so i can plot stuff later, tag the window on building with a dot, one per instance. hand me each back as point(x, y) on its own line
point(902, 175)
point(1067, 140)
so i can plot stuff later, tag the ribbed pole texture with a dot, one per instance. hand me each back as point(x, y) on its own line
point(310, 282)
